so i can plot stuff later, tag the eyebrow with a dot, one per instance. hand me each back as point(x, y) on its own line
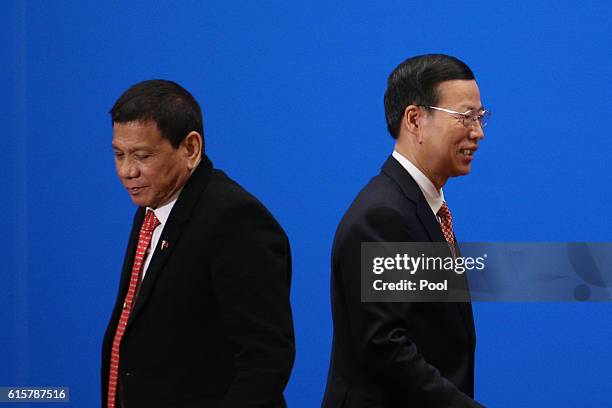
point(135, 149)
point(470, 107)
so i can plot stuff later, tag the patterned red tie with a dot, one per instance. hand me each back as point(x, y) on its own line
point(446, 224)
point(144, 240)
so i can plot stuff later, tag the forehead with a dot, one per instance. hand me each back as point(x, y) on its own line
point(136, 133)
point(459, 94)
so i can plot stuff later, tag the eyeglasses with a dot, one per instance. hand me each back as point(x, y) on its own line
point(468, 118)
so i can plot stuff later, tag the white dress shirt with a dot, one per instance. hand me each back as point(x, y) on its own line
point(434, 197)
point(162, 213)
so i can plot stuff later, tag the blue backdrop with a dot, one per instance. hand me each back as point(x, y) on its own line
point(292, 100)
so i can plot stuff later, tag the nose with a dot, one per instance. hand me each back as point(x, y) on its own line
point(126, 168)
point(476, 131)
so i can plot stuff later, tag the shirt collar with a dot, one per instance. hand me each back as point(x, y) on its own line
point(434, 197)
point(162, 213)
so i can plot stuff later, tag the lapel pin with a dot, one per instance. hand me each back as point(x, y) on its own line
point(164, 245)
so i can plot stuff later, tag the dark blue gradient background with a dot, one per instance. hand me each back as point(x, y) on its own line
point(292, 99)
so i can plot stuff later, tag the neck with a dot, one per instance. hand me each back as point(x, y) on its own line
point(409, 153)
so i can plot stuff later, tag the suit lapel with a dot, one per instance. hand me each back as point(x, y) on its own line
point(181, 212)
point(413, 192)
point(429, 220)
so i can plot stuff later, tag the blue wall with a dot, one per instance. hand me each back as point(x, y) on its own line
point(292, 100)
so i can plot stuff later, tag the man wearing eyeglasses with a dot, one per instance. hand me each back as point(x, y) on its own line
point(408, 354)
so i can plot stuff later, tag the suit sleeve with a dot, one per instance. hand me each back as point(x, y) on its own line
point(379, 329)
point(251, 273)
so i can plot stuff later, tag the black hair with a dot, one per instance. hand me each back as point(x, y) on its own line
point(415, 82)
point(173, 109)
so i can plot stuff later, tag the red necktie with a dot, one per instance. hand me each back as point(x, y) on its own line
point(446, 224)
point(144, 240)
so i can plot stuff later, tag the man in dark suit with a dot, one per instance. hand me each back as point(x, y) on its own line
point(408, 354)
point(202, 317)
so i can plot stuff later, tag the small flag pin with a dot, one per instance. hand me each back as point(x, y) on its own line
point(164, 245)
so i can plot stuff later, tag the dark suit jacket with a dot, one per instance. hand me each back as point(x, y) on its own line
point(212, 325)
point(394, 354)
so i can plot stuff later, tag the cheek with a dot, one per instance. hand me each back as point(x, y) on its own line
point(157, 176)
point(456, 140)
point(149, 176)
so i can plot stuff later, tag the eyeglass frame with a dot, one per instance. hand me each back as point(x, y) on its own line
point(482, 118)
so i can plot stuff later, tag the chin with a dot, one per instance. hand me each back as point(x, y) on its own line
point(462, 171)
point(140, 201)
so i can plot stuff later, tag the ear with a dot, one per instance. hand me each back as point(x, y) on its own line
point(192, 147)
point(410, 120)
